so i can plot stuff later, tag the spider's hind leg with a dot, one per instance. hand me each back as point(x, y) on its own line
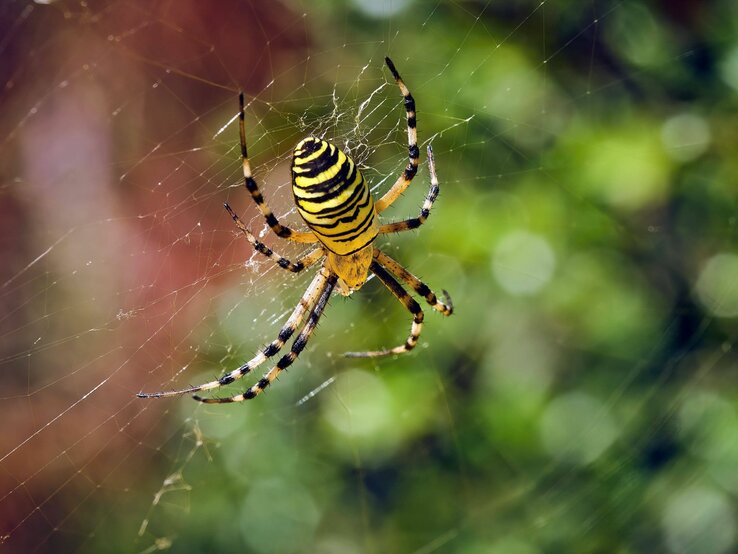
point(443, 306)
point(313, 295)
point(286, 360)
point(410, 304)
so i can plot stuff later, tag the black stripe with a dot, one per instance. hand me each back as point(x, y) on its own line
point(226, 380)
point(310, 145)
point(392, 69)
point(241, 130)
point(330, 196)
point(348, 219)
point(251, 185)
point(301, 341)
point(364, 223)
point(412, 122)
point(284, 361)
point(323, 162)
point(348, 206)
point(358, 233)
point(410, 171)
point(339, 212)
point(271, 350)
point(341, 176)
point(341, 208)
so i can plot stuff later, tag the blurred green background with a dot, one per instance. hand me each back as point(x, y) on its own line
point(583, 396)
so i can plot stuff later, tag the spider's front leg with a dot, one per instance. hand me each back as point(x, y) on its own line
point(301, 264)
point(403, 181)
point(415, 222)
point(280, 230)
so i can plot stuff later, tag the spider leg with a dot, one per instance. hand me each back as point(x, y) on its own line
point(416, 222)
point(312, 295)
point(412, 306)
point(412, 145)
point(279, 229)
point(444, 306)
point(286, 360)
point(302, 263)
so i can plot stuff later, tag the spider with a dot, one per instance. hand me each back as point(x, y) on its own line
point(335, 202)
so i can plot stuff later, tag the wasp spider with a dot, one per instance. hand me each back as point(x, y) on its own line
point(334, 200)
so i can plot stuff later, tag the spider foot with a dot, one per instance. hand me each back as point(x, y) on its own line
point(447, 301)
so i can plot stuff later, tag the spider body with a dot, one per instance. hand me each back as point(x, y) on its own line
point(335, 202)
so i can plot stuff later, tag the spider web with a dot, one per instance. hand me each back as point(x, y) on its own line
point(581, 398)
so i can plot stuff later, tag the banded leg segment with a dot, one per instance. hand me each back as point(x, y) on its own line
point(444, 306)
point(286, 360)
point(412, 145)
point(279, 229)
point(416, 222)
point(412, 306)
point(307, 302)
point(302, 263)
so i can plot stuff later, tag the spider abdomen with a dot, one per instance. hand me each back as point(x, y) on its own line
point(332, 196)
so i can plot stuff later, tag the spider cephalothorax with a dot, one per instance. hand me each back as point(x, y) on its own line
point(335, 202)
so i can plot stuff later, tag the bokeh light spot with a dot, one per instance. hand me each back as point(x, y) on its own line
point(271, 501)
point(717, 285)
point(380, 8)
point(523, 263)
point(708, 422)
point(729, 68)
point(698, 520)
point(577, 428)
point(685, 136)
point(361, 405)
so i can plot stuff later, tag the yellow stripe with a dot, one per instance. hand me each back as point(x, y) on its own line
point(357, 188)
point(331, 202)
point(307, 182)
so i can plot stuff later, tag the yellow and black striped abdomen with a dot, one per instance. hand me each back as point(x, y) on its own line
point(332, 196)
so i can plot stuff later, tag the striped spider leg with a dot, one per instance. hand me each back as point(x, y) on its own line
point(295, 267)
point(403, 181)
point(313, 301)
point(250, 184)
point(382, 262)
point(329, 280)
